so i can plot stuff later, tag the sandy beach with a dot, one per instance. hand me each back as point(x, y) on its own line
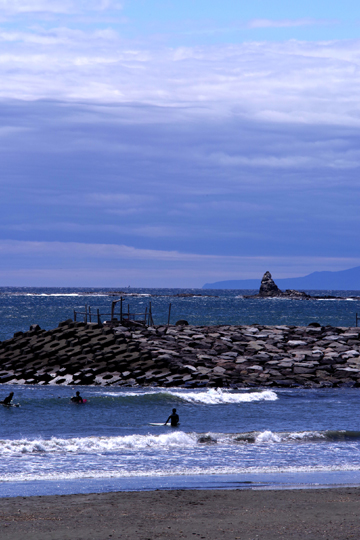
point(228, 514)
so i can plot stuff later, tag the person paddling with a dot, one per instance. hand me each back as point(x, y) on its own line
point(7, 400)
point(174, 417)
point(77, 398)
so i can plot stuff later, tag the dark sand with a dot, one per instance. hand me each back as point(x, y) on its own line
point(235, 514)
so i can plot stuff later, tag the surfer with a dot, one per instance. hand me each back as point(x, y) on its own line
point(7, 400)
point(174, 417)
point(77, 398)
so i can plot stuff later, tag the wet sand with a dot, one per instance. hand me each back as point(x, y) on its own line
point(315, 514)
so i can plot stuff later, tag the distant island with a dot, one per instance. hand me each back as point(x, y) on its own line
point(269, 289)
point(344, 280)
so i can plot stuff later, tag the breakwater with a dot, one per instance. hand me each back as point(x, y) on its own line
point(76, 353)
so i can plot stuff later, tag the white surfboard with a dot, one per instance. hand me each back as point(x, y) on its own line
point(162, 424)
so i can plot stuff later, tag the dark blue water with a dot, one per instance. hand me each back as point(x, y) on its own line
point(20, 307)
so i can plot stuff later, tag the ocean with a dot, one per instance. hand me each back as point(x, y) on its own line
point(258, 438)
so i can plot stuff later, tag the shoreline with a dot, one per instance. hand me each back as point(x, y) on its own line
point(211, 514)
point(183, 356)
point(250, 481)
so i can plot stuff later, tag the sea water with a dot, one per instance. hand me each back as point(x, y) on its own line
point(258, 438)
point(20, 307)
point(226, 438)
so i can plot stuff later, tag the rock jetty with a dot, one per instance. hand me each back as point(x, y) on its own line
point(76, 353)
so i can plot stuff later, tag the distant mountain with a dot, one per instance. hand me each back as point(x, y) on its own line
point(344, 280)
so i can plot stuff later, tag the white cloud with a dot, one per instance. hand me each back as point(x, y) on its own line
point(59, 36)
point(36, 6)
point(12, 7)
point(286, 23)
point(291, 82)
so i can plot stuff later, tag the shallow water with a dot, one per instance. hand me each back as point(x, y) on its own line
point(265, 437)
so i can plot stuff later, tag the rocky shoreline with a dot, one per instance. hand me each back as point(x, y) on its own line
point(76, 353)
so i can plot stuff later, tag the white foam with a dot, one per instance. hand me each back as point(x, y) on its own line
point(337, 299)
point(173, 440)
point(278, 298)
point(91, 445)
point(58, 294)
point(288, 437)
point(171, 472)
point(217, 396)
point(305, 435)
point(267, 436)
point(136, 295)
point(211, 396)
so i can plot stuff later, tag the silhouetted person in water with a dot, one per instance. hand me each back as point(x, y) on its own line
point(174, 417)
point(77, 398)
point(7, 400)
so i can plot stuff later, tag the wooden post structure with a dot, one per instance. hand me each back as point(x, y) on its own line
point(89, 314)
point(356, 320)
point(98, 317)
point(145, 315)
point(85, 314)
point(169, 314)
point(74, 315)
point(128, 312)
point(121, 311)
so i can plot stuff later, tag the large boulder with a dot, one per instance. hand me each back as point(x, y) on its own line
point(268, 286)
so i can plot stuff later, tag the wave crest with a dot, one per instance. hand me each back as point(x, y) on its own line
point(211, 396)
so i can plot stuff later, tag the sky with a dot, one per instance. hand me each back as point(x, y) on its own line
point(158, 143)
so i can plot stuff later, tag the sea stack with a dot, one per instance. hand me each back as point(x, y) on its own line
point(269, 289)
point(268, 286)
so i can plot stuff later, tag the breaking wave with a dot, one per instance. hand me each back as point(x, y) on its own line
point(211, 396)
point(173, 440)
point(218, 397)
point(95, 445)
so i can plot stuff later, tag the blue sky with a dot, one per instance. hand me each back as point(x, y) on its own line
point(158, 143)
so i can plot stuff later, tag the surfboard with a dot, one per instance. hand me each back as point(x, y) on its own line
point(10, 404)
point(162, 424)
point(79, 402)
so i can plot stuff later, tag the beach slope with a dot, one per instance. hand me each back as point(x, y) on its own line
point(313, 514)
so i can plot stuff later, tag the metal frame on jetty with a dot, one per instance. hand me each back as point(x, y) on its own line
point(125, 316)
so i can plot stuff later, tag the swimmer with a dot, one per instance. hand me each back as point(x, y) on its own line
point(77, 398)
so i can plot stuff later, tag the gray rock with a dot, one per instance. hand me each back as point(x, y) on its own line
point(268, 286)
